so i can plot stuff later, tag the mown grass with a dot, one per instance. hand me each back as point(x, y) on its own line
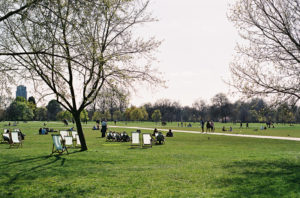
point(188, 165)
point(284, 130)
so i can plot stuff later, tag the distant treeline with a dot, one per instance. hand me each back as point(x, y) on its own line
point(220, 109)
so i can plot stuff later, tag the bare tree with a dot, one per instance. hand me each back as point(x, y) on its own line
point(201, 107)
point(268, 59)
point(9, 8)
point(73, 48)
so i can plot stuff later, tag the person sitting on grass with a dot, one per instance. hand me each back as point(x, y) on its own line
point(230, 129)
point(155, 131)
point(5, 138)
point(170, 133)
point(160, 138)
point(21, 135)
point(223, 129)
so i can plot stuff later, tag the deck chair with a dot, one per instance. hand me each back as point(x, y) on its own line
point(58, 144)
point(147, 140)
point(74, 136)
point(14, 139)
point(78, 141)
point(135, 139)
point(64, 133)
point(68, 141)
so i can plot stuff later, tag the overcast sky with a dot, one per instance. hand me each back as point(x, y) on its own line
point(198, 46)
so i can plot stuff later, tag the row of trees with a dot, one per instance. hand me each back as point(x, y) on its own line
point(219, 109)
point(21, 109)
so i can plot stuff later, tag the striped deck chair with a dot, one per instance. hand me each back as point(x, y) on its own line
point(14, 139)
point(147, 140)
point(135, 139)
point(58, 144)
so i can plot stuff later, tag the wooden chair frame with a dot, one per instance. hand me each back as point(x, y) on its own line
point(58, 144)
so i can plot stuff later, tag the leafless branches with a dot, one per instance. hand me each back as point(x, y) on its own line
point(268, 59)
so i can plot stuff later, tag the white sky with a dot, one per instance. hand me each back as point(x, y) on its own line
point(198, 46)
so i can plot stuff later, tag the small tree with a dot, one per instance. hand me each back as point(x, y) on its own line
point(97, 116)
point(40, 114)
point(136, 114)
point(117, 115)
point(53, 108)
point(156, 115)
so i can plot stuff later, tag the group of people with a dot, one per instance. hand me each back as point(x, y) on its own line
point(224, 129)
point(117, 137)
point(210, 126)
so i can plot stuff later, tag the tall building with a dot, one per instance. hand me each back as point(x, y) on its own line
point(21, 91)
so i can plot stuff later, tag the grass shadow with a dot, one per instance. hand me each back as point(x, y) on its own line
point(279, 178)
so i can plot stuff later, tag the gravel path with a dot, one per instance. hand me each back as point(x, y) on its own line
point(213, 133)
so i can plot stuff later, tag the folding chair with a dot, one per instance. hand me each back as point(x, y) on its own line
point(74, 135)
point(135, 139)
point(14, 139)
point(147, 140)
point(78, 141)
point(58, 144)
point(68, 141)
point(64, 133)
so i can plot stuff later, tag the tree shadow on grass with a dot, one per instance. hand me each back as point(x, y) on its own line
point(20, 174)
point(279, 178)
point(41, 163)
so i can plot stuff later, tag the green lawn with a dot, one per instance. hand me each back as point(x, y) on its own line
point(188, 165)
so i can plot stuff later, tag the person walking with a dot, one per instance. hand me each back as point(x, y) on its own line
point(202, 125)
point(103, 128)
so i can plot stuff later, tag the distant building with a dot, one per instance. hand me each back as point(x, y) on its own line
point(21, 91)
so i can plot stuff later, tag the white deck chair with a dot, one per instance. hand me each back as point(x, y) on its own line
point(135, 139)
point(14, 137)
point(78, 140)
point(68, 141)
point(64, 133)
point(147, 140)
point(74, 134)
point(58, 144)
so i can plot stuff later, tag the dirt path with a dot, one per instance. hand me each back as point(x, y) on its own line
point(210, 133)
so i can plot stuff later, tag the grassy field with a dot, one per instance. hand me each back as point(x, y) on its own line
point(188, 165)
point(284, 130)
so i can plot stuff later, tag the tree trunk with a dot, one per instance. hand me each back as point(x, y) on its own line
point(80, 131)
